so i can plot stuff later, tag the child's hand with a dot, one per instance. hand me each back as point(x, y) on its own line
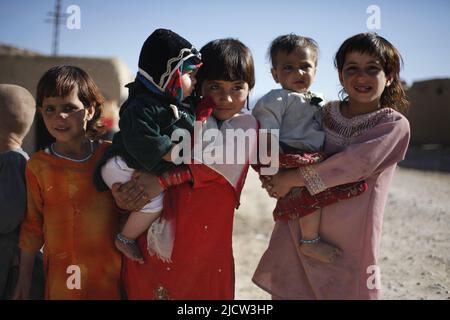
point(149, 183)
point(204, 109)
point(265, 180)
point(280, 184)
point(136, 193)
point(130, 195)
point(126, 198)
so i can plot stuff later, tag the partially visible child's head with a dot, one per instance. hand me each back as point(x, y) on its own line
point(17, 109)
point(227, 75)
point(369, 71)
point(168, 64)
point(294, 61)
point(67, 97)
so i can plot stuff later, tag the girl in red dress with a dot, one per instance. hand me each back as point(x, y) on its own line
point(201, 197)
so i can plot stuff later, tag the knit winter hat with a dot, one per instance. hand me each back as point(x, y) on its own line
point(162, 54)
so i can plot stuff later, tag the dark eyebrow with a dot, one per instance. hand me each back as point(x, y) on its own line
point(70, 105)
point(377, 62)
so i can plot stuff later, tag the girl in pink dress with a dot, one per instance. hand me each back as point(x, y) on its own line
point(365, 138)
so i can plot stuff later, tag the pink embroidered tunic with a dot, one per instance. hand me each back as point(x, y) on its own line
point(365, 147)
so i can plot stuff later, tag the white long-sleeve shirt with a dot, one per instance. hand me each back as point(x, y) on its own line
point(298, 120)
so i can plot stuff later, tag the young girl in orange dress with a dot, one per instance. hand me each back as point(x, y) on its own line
point(74, 223)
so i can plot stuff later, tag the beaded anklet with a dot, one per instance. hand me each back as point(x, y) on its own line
point(124, 240)
point(316, 240)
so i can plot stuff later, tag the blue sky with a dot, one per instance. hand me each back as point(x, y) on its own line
point(419, 29)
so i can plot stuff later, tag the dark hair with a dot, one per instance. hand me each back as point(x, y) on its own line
point(227, 60)
point(290, 42)
point(59, 81)
point(371, 43)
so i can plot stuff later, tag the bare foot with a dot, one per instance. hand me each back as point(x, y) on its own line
point(321, 251)
point(129, 248)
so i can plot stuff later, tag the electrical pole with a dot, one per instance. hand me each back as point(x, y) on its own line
point(57, 19)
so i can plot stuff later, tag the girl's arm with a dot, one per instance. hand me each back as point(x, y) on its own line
point(22, 290)
point(136, 193)
point(31, 235)
point(386, 146)
point(133, 195)
point(31, 230)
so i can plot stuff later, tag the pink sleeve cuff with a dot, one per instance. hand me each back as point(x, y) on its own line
point(313, 182)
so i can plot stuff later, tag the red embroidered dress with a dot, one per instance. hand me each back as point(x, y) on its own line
point(202, 264)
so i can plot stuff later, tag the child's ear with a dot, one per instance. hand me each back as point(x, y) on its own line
point(315, 74)
point(340, 78)
point(274, 74)
point(90, 111)
point(389, 79)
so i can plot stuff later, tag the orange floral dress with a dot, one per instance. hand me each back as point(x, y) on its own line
point(76, 225)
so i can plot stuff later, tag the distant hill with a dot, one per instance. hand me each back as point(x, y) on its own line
point(14, 51)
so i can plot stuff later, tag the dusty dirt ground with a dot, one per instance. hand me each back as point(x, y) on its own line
point(415, 249)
